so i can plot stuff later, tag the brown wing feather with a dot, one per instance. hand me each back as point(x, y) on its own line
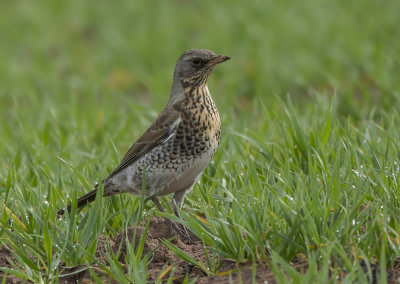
point(158, 133)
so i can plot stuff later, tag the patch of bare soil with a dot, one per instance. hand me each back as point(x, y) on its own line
point(159, 230)
point(393, 274)
point(5, 254)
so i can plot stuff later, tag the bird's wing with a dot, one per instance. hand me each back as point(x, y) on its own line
point(158, 133)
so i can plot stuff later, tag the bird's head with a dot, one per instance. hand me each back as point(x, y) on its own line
point(192, 70)
point(195, 65)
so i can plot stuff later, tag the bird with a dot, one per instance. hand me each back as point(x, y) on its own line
point(177, 147)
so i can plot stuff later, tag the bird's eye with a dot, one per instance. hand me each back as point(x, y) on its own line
point(197, 62)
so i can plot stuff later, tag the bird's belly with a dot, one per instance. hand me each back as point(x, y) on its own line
point(189, 173)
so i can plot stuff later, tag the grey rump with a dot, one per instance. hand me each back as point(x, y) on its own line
point(178, 146)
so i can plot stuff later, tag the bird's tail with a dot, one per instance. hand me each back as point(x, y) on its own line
point(82, 201)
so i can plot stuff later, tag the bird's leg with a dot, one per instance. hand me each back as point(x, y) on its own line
point(179, 216)
point(172, 225)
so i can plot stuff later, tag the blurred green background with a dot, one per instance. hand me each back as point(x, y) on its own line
point(127, 50)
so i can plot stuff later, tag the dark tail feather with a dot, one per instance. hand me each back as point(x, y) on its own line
point(82, 201)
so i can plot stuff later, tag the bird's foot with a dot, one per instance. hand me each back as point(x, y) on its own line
point(181, 232)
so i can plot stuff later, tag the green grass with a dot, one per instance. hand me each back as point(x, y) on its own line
point(309, 160)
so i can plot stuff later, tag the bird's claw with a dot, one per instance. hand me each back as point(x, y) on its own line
point(183, 233)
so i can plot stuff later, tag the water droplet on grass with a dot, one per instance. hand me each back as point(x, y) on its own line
point(224, 182)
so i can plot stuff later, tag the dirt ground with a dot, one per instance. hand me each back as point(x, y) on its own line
point(158, 230)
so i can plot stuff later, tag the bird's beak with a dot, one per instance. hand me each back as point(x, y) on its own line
point(219, 59)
